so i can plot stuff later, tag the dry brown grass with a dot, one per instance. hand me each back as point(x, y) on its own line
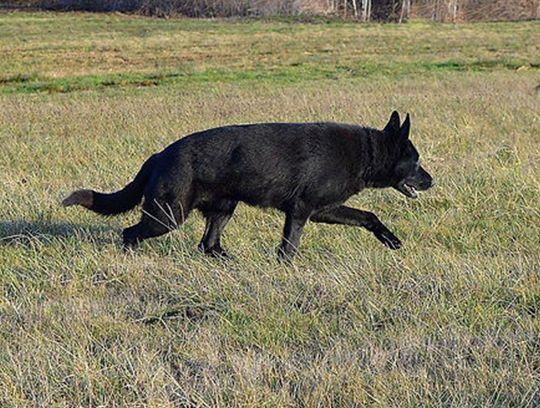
point(450, 320)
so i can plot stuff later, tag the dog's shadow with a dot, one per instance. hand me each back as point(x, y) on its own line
point(23, 232)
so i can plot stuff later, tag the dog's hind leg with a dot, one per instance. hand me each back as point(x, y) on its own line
point(292, 232)
point(159, 217)
point(216, 220)
point(351, 216)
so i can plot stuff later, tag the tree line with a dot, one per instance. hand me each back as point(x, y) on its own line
point(361, 10)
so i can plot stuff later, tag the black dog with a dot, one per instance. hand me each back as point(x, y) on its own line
point(306, 170)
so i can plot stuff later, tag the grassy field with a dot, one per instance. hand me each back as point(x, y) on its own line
point(452, 319)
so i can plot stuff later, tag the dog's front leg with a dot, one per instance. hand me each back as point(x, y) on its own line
point(351, 216)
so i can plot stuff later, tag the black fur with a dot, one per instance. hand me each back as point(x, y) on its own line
point(306, 170)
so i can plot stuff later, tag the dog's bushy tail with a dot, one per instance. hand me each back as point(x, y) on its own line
point(117, 202)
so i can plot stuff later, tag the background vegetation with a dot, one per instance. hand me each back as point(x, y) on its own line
point(449, 320)
point(365, 10)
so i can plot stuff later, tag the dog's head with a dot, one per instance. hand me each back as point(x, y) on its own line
point(408, 176)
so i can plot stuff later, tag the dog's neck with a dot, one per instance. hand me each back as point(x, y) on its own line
point(378, 168)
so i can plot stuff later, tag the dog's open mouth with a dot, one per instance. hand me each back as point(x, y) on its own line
point(408, 190)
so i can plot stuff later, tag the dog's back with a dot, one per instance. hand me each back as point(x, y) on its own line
point(268, 164)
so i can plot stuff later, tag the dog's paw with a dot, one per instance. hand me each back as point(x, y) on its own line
point(216, 252)
point(219, 253)
point(388, 239)
point(285, 257)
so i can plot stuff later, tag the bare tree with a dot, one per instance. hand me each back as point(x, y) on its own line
point(405, 10)
point(366, 9)
point(452, 9)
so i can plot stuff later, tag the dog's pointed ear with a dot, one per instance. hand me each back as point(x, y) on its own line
point(392, 126)
point(405, 128)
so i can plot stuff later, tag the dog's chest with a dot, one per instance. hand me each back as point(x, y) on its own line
point(334, 192)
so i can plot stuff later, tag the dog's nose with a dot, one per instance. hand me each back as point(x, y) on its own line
point(433, 183)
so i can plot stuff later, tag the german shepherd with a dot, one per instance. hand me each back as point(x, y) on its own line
point(306, 170)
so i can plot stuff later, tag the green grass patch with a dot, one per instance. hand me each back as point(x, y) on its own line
point(295, 73)
point(63, 52)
